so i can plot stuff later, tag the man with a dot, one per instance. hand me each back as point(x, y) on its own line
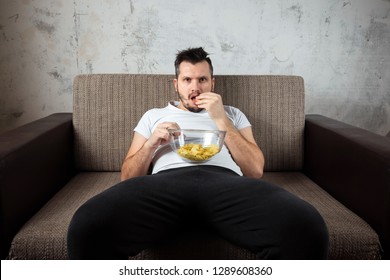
point(224, 195)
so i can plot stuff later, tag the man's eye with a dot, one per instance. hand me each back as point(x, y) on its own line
point(187, 80)
point(202, 80)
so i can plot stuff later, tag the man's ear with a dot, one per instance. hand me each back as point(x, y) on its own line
point(213, 85)
point(175, 84)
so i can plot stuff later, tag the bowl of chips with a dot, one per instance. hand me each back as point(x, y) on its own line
point(196, 146)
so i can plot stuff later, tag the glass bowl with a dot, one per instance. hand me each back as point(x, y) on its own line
point(194, 145)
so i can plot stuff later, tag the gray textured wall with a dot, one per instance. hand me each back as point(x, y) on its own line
point(341, 48)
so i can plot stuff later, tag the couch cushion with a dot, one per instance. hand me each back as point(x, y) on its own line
point(275, 107)
point(44, 236)
point(108, 106)
point(350, 236)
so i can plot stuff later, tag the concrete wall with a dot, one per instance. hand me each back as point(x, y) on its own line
point(341, 48)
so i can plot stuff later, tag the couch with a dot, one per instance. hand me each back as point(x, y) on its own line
point(50, 166)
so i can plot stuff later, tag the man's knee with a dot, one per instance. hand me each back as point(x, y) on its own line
point(307, 234)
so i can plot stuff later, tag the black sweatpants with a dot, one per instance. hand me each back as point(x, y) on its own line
point(141, 212)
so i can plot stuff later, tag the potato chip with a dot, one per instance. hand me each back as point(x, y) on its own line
point(197, 152)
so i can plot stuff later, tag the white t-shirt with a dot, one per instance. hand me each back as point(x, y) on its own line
point(164, 157)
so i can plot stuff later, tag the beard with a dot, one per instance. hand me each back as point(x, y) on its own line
point(188, 104)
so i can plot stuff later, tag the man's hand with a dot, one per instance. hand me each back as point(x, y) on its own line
point(140, 154)
point(212, 102)
point(160, 135)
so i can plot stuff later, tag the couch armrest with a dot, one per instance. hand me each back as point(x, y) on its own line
point(36, 160)
point(353, 165)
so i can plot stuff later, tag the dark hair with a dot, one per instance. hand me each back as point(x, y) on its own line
point(192, 55)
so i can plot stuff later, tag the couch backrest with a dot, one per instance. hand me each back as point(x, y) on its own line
point(108, 106)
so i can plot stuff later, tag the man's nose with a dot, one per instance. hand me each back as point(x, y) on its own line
point(195, 86)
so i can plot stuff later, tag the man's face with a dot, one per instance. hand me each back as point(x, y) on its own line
point(193, 80)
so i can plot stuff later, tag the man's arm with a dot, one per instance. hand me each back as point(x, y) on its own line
point(138, 158)
point(141, 151)
point(244, 150)
point(241, 144)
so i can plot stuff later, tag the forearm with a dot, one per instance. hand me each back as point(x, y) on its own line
point(141, 151)
point(246, 154)
point(137, 164)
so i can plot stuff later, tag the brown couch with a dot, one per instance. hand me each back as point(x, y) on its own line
point(49, 167)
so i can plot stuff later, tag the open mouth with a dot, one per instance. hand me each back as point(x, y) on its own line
point(193, 96)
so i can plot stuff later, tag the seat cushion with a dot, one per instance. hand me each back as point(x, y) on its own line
point(350, 236)
point(44, 236)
